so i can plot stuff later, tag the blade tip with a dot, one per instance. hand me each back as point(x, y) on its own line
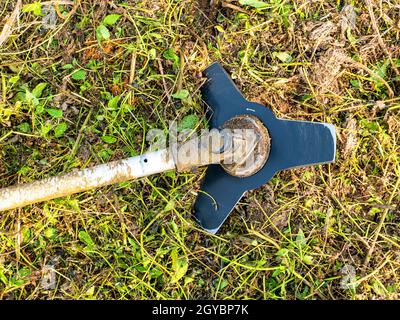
point(332, 130)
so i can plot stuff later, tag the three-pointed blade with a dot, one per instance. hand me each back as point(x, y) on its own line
point(218, 196)
point(293, 144)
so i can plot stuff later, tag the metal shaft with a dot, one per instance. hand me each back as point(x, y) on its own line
point(213, 147)
point(83, 180)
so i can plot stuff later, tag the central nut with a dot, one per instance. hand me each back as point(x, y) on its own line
point(251, 145)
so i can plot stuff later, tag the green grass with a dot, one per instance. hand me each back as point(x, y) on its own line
point(88, 91)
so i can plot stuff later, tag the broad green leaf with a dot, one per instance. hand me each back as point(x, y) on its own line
point(35, 7)
point(152, 54)
point(102, 33)
point(24, 127)
point(79, 75)
point(30, 98)
point(85, 86)
point(170, 174)
point(276, 272)
point(355, 83)
point(283, 56)
point(113, 103)
point(253, 3)
point(26, 235)
point(220, 29)
point(74, 204)
point(24, 272)
point(222, 284)
point(181, 94)
point(301, 239)
point(21, 96)
point(60, 129)
point(50, 233)
point(3, 278)
point(111, 19)
point(13, 80)
point(108, 139)
point(155, 35)
point(282, 252)
point(179, 266)
point(305, 97)
point(371, 126)
point(141, 268)
point(16, 282)
point(188, 122)
point(133, 244)
point(156, 273)
point(169, 206)
point(380, 70)
point(67, 66)
point(90, 291)
point(24, 170)
point(86, 239)
point(55, 113)
point(105, 154)
point(38, 91)
point(170, 54)
point(45, 129)
point(308, 259)
point(174, 226)
point(39, 109)
point(188, 280)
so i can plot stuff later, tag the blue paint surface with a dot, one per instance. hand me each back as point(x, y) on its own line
point(293, 144)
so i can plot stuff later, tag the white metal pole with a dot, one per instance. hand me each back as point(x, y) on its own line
point(196, 152)
point(83, 180)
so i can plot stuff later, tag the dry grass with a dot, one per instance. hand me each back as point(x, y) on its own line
point(325, 232)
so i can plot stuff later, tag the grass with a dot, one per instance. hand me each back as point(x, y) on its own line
point(88, 88)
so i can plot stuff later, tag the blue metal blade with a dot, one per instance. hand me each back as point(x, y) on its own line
point(218, 196)
point(293, 144)
point(219, 91)
point(303, 143)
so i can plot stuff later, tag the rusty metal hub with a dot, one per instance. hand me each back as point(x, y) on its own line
point(257, 147)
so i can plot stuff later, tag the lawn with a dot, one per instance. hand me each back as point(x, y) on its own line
point(83, 81)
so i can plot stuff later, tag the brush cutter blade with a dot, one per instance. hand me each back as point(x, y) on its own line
point(293, 144)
